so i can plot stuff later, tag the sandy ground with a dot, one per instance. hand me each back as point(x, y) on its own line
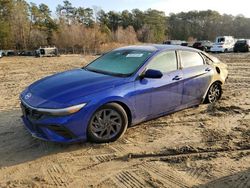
point(207, 146)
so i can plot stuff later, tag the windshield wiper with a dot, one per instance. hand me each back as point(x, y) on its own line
point(120, 74)
point(106, 72)
point(92, 70)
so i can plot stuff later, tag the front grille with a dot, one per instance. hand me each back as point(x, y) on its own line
point(30, 113)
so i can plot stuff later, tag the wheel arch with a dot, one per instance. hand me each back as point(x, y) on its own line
point(127, 105)
point(205, 95)
point(217, 81)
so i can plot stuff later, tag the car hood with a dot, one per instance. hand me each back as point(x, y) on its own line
point(59, 90)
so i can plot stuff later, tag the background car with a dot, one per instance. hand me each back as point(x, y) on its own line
point(27, 53)
point(9, 53)
point(1, 53)
point(174, 42)
point(203, 45)
point(124, 87)
point(47, 52)
point(242, 45)
point(223, 44)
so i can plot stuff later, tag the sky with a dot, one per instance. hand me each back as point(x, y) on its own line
point(168, 6)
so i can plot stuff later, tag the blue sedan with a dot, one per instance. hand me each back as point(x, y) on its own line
point(124, 87)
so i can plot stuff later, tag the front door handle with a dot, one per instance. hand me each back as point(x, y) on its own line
point(208, 69)
point(177, 78)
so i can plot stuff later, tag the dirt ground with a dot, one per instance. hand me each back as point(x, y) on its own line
point(207, 146)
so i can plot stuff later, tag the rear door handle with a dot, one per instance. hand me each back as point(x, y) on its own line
point(177, 78)
point(208, 69)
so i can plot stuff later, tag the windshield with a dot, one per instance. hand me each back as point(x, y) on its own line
point(221, 40)
point(119, 62)
point(241, 42)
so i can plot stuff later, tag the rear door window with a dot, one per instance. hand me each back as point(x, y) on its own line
point(190, 59)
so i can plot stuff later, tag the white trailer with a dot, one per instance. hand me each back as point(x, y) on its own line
point(47, 52)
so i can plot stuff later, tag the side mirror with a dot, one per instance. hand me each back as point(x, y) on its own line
point(150, 73)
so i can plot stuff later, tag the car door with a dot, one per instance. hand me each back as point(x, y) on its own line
point(197, 76)
point(164, 94)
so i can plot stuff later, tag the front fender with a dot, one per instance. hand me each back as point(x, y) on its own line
point(117, 99)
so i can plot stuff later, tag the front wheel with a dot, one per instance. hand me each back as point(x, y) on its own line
point(214, 93)
point(108, 123)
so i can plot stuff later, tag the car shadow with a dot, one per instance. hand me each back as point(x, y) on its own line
point(18, 146)
point(240, 179)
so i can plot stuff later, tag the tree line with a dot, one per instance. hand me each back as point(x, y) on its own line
point(81, 29)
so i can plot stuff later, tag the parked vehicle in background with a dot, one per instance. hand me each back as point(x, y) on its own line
point(188, 44)
point(223, 44)
point(47, 52)
point(11, 53)
point(124, 87)
point(174, 42)
point(27, 53)
point(8, 53)
point(1, 53)
point(184, 44)
point(242, 45)
point(204, 45)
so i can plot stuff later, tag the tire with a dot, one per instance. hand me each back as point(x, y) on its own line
point(107, 124)
point(214, 93)
point(226, 50)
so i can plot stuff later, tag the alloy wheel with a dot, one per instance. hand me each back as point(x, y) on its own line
point(106, 124)
point(214, 93)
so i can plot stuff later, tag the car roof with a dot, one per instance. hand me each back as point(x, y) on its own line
point(157, 47)
point(203, 41)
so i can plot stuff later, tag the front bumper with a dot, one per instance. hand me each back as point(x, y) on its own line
point(53, 133)
point(216, 49)
point(62, 129)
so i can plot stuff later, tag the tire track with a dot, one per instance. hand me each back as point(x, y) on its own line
point(121, 145)
point(199, 171)
point(169, 177)
point(127, 179)
point(58, 176)
point(104, 158)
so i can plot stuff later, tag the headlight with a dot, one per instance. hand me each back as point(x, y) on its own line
point(62, 111)
point(59, 111)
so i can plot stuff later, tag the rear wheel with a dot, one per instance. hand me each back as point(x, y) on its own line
point(108, 123)
point(214, 93)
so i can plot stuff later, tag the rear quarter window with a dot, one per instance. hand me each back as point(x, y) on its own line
point(211, 58)
point(190, 59)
